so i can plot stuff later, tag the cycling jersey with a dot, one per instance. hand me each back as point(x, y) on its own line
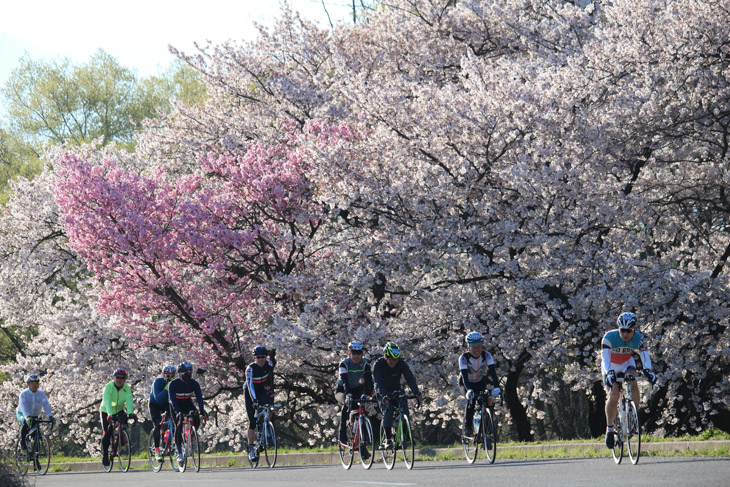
point(158, 394)
point(474, 370)
point(350, 374)
point(387, 378)
point(617, 353)
point(181, 392)
point(31, 403)
point(258, 378)
point(114, 399)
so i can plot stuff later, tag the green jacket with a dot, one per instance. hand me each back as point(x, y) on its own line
point(114, 399)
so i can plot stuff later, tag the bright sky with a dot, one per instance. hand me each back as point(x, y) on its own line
point(137, 32)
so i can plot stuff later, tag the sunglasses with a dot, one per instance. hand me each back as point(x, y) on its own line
point(120, 377)
point(260, 356)
point(626, 330)
point(34, 382)
point(356, 352)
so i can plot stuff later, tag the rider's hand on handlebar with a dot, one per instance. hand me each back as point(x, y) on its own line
point(496, 391)
point(610, 378)
point(650, 375)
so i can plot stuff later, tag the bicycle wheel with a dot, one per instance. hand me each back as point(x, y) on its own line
point(193, 447)
point(633, 433)
point(367, 443)
point(156, 466)
point(387, 453)
point(124, 451)
point(405, 441)
point(21, 458)
point(42, 454)
point(171, 450)
point(271, 448)
point(618, 444)
point(112, 453)
point(181, 466)
point(489, 433)
point(346, 451)
point(471, 443)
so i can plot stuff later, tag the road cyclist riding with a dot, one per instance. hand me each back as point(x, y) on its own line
point(258, 392)
point(476, 370)
point(354, 390)
point(620, 376)
point(117, 407)
point(33, 446)
point(187, 417)
point(387, 373)
point(163, 427)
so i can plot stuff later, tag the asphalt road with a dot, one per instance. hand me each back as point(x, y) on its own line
point(659, 471)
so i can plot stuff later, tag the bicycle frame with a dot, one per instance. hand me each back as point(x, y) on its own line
point(119, 434)
point(356, 426)
point(627, 426)
point(403, 434)
point(34, 441)
point(190, 442)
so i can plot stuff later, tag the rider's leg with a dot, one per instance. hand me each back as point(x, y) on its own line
point(612, 404)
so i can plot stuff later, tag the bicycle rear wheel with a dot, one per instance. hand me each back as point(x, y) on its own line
point(346, 451)
point(388, 454)
point(42, 454)
point(156, 465)
point(406, 441)
point(21, 458)
point(618, 443)
point(124, 451)
point(193, 447)
point(271, 448)
point(489, 433)
point(633, 433)
point(367, 443)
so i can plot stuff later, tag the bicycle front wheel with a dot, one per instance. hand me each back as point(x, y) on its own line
point(21, 458)
point(367, 443)
point(470, 442)
point(489, 433)
point(42, 454)
point(193, 447)
point(124, 451)
point(156, 465)
point(618, 434)
point(112, 453)
point(271, 448)
point(633, 433)
point(386, 452)
point(406, 441)
point(346, 452)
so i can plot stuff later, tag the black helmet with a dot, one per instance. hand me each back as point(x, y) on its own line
point(185, 368)
point(260, 351)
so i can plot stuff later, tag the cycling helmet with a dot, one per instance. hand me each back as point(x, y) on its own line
point(169, 369)
point(357, 346)
point(33, 378)
point(474, 338)
point(260, 350)
point(120, 373)
point(185, 368)
point(626, 320)
point(392, 350)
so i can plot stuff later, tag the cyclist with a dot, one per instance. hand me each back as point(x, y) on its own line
point(159, 403)
point(180, 392)
point(117, 396)
point(387, 372)
point(30, 403)
point(355, 380)
point(617, 351)
point(474, 364)
point(259, 389)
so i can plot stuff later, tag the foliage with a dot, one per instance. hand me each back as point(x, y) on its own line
point(528, 169)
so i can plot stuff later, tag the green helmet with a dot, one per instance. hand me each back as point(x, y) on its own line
point(392, 350)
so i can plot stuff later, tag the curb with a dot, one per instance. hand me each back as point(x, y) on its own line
point(333, 458)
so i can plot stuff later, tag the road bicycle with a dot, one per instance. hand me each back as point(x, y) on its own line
point(484, 429)
point(402, 436)
point(626, 425)
point(190, 441)
point(167, 444)
point(359, 435)
point(120, 446)
point(37, 450)
point(266, 441)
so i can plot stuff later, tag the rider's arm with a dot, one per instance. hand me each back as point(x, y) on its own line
point(493, 375)
point(249, 383)
point(171, 394)
point(410, 379)
point(644, 354)
point(159, 391)
point(106, 400)
point(199, 396)
point(368, 376)
point(343, 377)
point(378, 376)
point(464, 370)
point(24, 403)
point(46, 404)
point(605, 356)
point(128, 399)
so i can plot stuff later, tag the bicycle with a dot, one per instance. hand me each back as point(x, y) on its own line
point(121, 447)
point(359, 436)
point(37, 448)
point(265, 436)
point(190, 441)
point(484, 432)
point(167, 444)
point(403, 434)
point(626, 425)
